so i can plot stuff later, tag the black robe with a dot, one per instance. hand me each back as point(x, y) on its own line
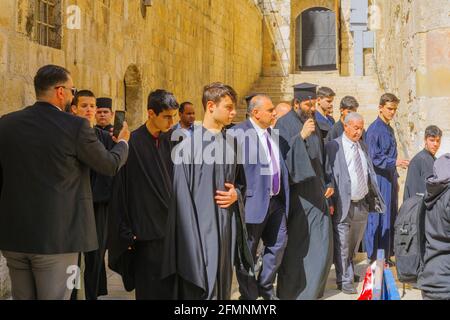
point(309, 253)
point(139, 207)
point(203, 241)
point(107, 128)
point(95, 270)
point(336, 131)
point(419, 170)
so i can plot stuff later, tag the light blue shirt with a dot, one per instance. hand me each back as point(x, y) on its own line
point(186, 132)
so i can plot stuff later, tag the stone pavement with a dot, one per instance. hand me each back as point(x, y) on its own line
point(117, 292)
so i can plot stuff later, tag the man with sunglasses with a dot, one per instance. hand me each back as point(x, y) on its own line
point(46, 206)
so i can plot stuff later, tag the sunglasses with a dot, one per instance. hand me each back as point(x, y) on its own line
point(73, 90)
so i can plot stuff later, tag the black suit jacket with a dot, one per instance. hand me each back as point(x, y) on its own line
point(46, 204)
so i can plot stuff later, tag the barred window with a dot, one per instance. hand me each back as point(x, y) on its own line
point(48, 23)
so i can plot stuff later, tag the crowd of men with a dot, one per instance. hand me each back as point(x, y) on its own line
point(180, 207)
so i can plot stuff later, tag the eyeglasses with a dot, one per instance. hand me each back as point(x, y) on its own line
point(73, 90)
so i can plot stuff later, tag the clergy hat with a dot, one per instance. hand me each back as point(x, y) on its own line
point(104, 103)
point(305, 91)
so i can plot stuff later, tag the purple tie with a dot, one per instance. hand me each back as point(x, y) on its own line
point(275, 170)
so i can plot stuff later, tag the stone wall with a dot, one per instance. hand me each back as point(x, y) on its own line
point(4, 279)
point(413, 46)
point(179, 45)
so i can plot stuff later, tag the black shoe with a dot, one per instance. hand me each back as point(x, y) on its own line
point(339, 286)
point(349, 289)
point(356, 278)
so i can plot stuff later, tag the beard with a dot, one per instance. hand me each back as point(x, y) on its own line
point(68, 106)
point(305, 115)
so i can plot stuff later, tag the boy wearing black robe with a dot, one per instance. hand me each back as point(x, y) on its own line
point(206, 234)
point(348, 104)
point(95, 284)
point(141, 196)
point(421, 166)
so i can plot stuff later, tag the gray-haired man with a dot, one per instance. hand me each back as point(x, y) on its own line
point(356, 195)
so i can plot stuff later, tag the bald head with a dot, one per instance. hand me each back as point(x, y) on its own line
point(257, 101)
point(261, 110)
point(282, 109)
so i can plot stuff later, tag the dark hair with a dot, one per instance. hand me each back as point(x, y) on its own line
point(160, 100)
point(184, 104)
point(433, 131)
point(82, 93)
point(325, 92)
point(388, 97)
point(349, 103)
point(216, 91)
point(49, 76)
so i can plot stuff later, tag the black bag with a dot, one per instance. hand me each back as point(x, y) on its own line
point(409, 239)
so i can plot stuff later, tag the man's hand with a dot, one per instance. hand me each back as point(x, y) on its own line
point(123, 135)
point(224, 199)
point(402, 163)
point(329, 193)
point(308, 128)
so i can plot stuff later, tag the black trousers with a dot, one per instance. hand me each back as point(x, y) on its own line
point(147, 272)
point(95, 282)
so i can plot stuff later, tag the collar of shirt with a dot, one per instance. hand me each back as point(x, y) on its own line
point(56, 107)
point(178, 126)
point(348, 142)
point(261, 132)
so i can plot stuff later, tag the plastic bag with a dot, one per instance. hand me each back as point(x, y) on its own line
point(368, 284)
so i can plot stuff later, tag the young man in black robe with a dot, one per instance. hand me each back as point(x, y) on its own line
point(348, 104)
point(308, 257)
point(104, 114)
point(141, 196)
point(95, 284)
point(421, 166)
point(324, 110)
point(206, 229)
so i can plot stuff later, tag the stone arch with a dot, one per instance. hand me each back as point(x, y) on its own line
point(316, 40)
point(134, 101)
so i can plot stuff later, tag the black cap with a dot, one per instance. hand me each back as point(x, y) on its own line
point(250, 97)
point(305, 91)
point(104, 103)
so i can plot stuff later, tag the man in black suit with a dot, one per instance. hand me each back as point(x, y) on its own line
point(46, 206)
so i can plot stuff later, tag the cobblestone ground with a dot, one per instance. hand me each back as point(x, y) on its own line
point(117, 292)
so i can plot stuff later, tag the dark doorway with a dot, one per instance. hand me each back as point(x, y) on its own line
point(316, 40)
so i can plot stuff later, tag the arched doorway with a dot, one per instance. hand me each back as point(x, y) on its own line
point(316, 40)
point(133, 97)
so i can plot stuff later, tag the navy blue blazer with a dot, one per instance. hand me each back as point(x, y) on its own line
point(257, 195)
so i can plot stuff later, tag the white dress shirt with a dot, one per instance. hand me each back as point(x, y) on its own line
point(358, 192)
point(275, 150)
